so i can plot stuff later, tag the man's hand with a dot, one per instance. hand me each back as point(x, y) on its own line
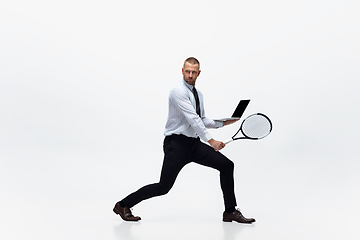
point(217, 145)
point(227, 122)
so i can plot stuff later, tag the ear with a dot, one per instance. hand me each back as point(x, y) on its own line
point(199, 72)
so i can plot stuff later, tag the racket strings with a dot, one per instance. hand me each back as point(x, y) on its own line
point(256, 126)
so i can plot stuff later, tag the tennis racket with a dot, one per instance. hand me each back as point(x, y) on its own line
point(254, 127)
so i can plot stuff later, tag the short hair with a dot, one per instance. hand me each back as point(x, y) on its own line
point(193, 61)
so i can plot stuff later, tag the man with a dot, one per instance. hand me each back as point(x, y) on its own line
point(186, 125)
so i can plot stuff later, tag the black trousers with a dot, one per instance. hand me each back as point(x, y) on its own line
point(180, 150)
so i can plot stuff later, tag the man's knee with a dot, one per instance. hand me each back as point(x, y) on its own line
point(163, 189)
point(228, 166)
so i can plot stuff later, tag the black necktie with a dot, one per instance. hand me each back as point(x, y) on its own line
point(197, 101)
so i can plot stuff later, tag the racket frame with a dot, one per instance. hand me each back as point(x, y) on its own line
point(233, 138)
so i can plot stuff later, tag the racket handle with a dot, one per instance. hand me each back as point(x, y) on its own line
point(228, 141)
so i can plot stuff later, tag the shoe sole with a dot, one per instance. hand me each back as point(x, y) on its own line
point(230, 220)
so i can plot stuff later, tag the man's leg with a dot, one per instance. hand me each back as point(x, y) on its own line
point(175, 158)
point(207, 156)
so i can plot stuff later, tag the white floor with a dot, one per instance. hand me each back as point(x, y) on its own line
point(47, 195)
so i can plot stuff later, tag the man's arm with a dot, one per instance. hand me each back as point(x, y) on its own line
point(180, 99)
point(227, 122)
point(218, 145)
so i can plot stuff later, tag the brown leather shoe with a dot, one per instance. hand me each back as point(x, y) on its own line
point(125, 213)
point(236, 216)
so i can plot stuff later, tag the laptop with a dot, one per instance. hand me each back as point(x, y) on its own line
point(238, 111)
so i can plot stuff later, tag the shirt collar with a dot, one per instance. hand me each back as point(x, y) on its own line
point(188, 85)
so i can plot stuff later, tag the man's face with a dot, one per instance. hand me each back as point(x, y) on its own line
point(190, 73)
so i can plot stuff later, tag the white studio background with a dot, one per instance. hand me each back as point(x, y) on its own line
point(83, 101)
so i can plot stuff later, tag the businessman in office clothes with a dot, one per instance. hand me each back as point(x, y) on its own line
point(185, 126)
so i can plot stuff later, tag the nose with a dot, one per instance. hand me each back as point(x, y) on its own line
point(190, 74)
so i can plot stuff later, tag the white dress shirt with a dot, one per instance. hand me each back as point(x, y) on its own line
point(183, 119)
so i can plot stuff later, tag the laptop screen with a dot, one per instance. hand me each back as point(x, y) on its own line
point(240, 108)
